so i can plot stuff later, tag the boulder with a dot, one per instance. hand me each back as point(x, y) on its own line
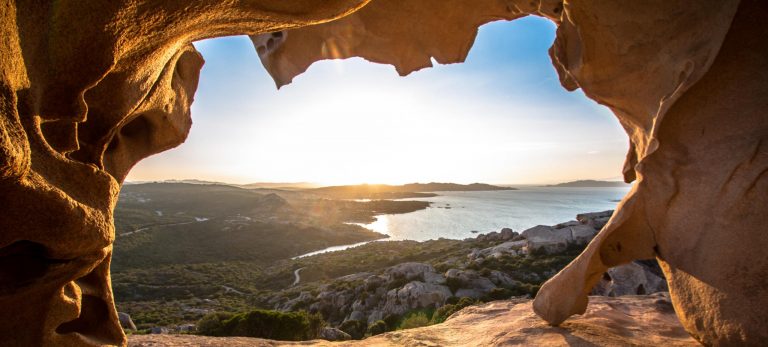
point(187, 328)
point(415, 295)
point(547, 239)
point(470, 283)
point(333, 334)
point(501, 279)
point(635, 278)
point(507, 234)
point(567, 224)
point(125, 321)
point(159, 330)
point(581, 234)
point(596, 220)
point(509, 248)
point(408, 271)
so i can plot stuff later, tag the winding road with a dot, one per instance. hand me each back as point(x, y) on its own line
point(297, 276)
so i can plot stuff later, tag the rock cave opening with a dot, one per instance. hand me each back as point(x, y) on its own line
point(686, 83)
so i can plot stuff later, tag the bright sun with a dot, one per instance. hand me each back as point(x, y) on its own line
point(501, 117)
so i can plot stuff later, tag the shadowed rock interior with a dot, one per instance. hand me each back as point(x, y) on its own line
point(88, 88)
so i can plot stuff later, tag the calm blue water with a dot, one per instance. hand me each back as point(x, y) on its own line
point(491, 211)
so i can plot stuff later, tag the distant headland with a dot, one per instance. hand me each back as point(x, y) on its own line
point(589, 184)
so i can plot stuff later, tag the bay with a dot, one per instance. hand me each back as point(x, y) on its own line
point(454, 215)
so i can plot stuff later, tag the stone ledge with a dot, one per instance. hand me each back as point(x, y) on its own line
point(609, 321)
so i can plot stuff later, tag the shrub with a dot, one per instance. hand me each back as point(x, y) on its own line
point(392, 321)
point(414, 320)
point(498, 294)
point(378, 327)
point(292, 326)
point(525, 289)
point(465, 301)
point(354, 328)
point(453, 284)
point(212, 324)
point(446, 311)
point(397, 282)
point(443, 313)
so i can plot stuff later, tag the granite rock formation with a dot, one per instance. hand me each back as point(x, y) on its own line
point(687, 83)
point(405, 287)
point(624, 321)
point(88, 88)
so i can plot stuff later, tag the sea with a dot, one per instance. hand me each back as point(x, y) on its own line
point(460, 215)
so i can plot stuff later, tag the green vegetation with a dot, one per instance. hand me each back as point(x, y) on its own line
point(415, 319)
point(239, 259)
point(287, 326)
point(442, 313)
point(354, 328)
point(378, 327)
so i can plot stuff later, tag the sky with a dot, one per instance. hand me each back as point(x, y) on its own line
point(501, 117)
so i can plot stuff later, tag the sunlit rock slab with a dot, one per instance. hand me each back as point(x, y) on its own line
point(619, 321)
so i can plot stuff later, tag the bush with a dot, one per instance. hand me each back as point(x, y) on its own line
point(498, 294)
point(525, 289)
point(292, 326)
point(443, 313)
point(393, 321)
point(212, 324)
point(446, 311)
point(354, 328)
point(454, 284)
point(415, 320)
point(378, 327)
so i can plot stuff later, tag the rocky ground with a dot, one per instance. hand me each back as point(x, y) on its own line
point(513, 264)
point(609, 321)
point(489, 267)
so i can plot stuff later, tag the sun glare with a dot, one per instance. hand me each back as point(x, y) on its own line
point(497, 119)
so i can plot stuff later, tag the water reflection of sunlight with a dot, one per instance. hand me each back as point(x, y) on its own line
point(381, 225)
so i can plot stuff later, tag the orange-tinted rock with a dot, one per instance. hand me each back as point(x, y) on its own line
point(624, 321)
point(687, 84)
point(88, 88)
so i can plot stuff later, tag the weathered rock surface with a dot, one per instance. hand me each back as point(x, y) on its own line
point(626, 321)
point(402, 288)
point(688, 83)
point(333, 334)
point(88, 88)
point(125, 321)
point(635, 278)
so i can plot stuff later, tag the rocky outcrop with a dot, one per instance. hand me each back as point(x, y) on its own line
point(400, 289)
point(635, 278)
point(625, 321)
point(691, 94)
point(88, 88)
point(333, 334)
point(125, 321)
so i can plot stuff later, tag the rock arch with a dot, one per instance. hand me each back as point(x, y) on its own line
point(90, 87)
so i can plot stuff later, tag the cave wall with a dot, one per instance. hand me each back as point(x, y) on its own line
point(688, 85)
point(90, 87)
point(87, 89)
